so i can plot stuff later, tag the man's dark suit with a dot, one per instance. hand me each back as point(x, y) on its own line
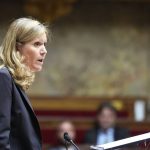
point(119, 133)
point(19, 128)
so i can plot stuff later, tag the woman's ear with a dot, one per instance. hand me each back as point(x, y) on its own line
point(18, 46)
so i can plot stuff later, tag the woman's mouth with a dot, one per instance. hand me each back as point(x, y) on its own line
point(40, 60)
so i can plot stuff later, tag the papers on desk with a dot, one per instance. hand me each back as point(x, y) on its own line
point(121, 143)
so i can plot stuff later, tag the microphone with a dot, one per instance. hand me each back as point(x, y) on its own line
point(68, 139)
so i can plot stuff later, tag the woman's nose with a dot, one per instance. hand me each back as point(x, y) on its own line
point(43, 50)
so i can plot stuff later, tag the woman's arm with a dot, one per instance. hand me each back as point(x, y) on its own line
point(5, 108)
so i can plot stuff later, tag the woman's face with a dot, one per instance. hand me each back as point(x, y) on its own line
point(34, 52)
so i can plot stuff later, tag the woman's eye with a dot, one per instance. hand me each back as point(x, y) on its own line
point(37, 44)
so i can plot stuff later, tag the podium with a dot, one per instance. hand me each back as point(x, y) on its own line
point(139, 142)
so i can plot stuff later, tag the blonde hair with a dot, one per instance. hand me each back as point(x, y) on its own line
point(21, 30)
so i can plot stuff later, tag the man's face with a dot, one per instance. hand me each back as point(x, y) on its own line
point(66, 127)
point(106, 118)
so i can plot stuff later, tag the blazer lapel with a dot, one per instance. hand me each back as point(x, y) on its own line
point(25, 97)
point(116, 134)
point(28, 104)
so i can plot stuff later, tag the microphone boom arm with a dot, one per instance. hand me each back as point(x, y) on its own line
point(68, 139)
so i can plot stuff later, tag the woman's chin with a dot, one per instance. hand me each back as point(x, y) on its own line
point(36, 69)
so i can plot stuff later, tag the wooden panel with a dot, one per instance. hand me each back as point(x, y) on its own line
point(51, 105)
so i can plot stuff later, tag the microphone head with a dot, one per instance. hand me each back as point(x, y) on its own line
point(67, 137)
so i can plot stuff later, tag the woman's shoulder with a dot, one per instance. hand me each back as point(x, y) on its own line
point(4, 72)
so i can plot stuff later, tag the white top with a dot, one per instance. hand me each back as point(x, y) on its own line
point(105, 137)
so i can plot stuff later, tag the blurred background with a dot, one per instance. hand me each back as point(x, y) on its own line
point(99, 51)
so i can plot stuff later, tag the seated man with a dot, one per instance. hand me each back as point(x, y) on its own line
point(105, 129)
point(64, 126)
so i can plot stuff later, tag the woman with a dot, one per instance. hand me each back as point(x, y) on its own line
point(21, 55)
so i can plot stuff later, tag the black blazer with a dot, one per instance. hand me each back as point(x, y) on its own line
point(119, 133)
point(19, 128)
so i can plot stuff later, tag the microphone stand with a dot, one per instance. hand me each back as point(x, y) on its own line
point(68, 139)
point(66, 145)
point(74, 145)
